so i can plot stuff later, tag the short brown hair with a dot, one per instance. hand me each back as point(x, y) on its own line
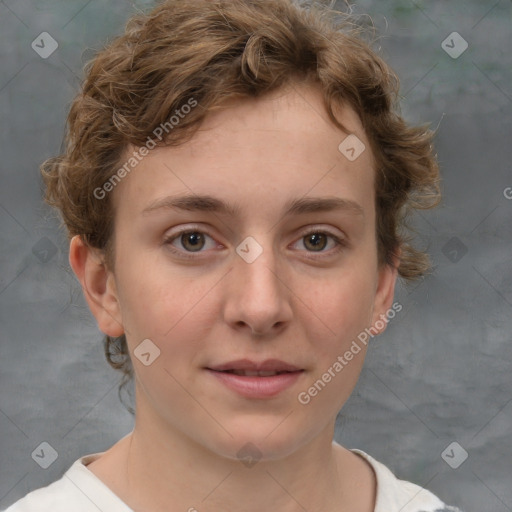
point(217, 50)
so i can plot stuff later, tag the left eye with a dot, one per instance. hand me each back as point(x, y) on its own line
point(318, 240)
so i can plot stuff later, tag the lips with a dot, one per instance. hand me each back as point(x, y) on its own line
point(248, 368)
point(255, 373)
point(256, 380)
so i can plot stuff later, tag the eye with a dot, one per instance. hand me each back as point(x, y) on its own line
point(191, 240)
point(317, 241)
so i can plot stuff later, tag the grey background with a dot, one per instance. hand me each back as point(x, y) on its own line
point(441, 371)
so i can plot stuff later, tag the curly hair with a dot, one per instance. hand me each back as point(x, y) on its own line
point(214, 51)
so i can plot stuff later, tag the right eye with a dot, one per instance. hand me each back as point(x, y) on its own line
point(190, 239)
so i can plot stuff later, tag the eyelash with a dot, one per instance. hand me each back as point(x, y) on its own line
point(340, 243)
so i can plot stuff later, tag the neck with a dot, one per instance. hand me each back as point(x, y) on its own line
point(172, 470)
point(189, 477)
point(158, 467)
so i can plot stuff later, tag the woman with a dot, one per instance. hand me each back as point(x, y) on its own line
point(234, 186)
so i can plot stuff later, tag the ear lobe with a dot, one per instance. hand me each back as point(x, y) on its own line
point(98, 286)
point(385, 292)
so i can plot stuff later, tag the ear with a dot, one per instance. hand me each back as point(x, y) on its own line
point(384, 293)
point(98, 286)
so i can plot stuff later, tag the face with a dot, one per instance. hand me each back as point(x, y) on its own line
point(257, 284)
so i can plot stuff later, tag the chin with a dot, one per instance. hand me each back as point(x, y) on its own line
point(258, 441)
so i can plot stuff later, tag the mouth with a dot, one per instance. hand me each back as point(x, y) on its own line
point(255, 373)
point(256, 380)
point(248, 368)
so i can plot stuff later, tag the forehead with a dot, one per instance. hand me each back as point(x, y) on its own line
point(292, 117)
point(272, 149)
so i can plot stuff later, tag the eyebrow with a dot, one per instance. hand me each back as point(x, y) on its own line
point(207, 203)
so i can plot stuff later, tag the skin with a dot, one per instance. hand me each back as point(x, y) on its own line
point(215, 307)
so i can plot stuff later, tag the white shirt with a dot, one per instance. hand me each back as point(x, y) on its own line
point(80, 490)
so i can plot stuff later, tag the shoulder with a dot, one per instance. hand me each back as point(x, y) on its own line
point(56, 496)
point(394, 494)
point(78, 490)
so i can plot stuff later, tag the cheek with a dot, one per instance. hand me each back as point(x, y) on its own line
point(165, 308)
point(337, 311)
point(336, 318)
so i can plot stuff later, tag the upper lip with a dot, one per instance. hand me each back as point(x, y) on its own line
point(268, 365)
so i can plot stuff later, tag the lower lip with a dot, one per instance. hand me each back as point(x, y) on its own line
point(257, 387)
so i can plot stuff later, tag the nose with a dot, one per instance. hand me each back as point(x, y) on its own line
point(257, 299)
